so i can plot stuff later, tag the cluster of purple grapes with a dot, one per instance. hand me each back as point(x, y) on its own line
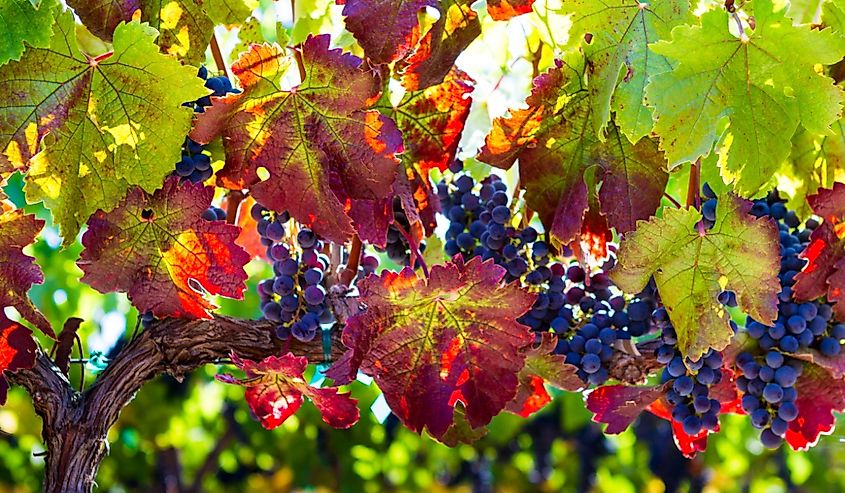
point(214, 213)
point(768, 370)
point(195, 165)
point(398, 249)
point(689, 396)
point(295, 298)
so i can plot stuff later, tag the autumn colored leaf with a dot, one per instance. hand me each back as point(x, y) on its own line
point(17, 350)
point(331, 159)
point(275, 388)
point(824, 274)
point(689, 445)
point(461, 431)
point(184, 25)
point(398, 26)
point(819, 396)
point(619, 405)
point(435, 55)
point(18, 271)
point(555, 143)
point(620, 58)
point(248, 238)
point(692, 266)
point(430, 343)
point(734, 80)
point(816, 161)
point(835, 365)
point(432, 121)
point(502, 10)
point(24, 24)
point(159, 250)
point(89, 129)
point(542, 366)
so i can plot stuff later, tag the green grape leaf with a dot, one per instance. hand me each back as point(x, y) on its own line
point(330, 159)
point(229, 12)
point(621, 62)
point(833, 14)
point(431, 343)
point(762, 84)
point(90, 128)
point(184, 25)
point(556, 144)
point(816, 162)
point(23, 24)
point(691, 267)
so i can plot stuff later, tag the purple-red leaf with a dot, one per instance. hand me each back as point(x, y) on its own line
point(824, 274)
point(329, 159)
point(619, 405)
point(275, 386)
point(17, 350)
point(431, 343)
point(819, 395)
point(502, 10)
point(398, 26)
point(159, 250)
point(18, 271)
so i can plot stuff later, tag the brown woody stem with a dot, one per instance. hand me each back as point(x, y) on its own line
point(218, 56)
point(354, 260)
point(233, 201)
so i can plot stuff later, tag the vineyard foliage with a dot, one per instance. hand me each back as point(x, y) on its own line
point(658, 223)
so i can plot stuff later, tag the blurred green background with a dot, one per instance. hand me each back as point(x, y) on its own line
point(198, 435)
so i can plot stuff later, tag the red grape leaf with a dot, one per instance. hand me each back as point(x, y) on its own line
point(275, 386)
point(18, 271)
point(502, 10)
point(159, 250)
point(542, 366)
point(619, 405)
point(432, 120)
point(89, 129)
point(461, 431)
point(418, 199)
point(819, 395)
point(554, 137)
point(398, 26)
point(185, 26)
point(824, 274)
point(835, 365)
point(438, 49)
point(17, 350)
point(331, 160)
point(249, 238)
point(430, 343)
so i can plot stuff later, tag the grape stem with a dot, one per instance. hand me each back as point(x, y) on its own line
point(297, 55)
point(351, 269)
point(233, 201)
point(672, 199)
point(218, 56)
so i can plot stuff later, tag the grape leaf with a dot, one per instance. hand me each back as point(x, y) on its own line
point(691, 268)
point(229, 12)
point(816, 161)
point(835, 365)
point(107, 123)
point(556, 144)
point(275, 387)
point(432, 120)
point(819, 395)
point(398, 26)
point(833, 14)
point(461, 431)
point(430, 343)
point(159, 250)
point(331, 160)
point(762, 83)
point(541, 366)
point(436, 52)
point(18, 271)
point(824, 274)
point(621, 62)
point(619, 405)
point(502, 10)
point(17, 350)
point(805, 11)
point(24, 24)
point(248, 238)
point(184, 25)
point(689, 445)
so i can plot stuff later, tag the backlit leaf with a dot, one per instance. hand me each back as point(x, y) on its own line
point(691, 268)
point(159, 250)
point(763, 84)
point(430, 343)
point(23, 24)
point(18, 271)
point(620, 405)
point(819, 396)
point(89, 129)
point(542, 366)
point(502, 10)
point(330, 158)
point(17, 350)
point(275, 387)
point(398, 26)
